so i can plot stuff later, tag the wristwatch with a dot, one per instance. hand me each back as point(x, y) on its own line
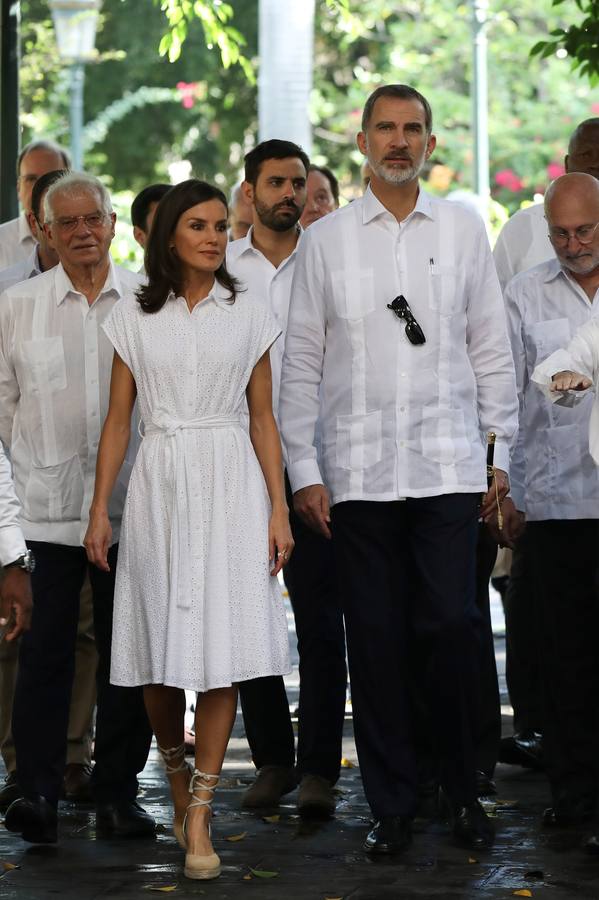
point(25, 562)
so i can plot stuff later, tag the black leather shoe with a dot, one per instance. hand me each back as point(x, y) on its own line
point(471, 827)
point(591, 845)
point(390, 835)
point(34, 819)
point(485, 786)
point(10, 792)
point(124, 819)
point(570, 817)
point(523, 749)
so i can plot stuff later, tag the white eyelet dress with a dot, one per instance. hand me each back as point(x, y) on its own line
point(195, 606)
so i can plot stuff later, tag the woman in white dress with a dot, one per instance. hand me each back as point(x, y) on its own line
point(205, 527)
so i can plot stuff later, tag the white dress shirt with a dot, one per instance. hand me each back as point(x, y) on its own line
point(16, 241)
point(580, 355)
point(55, 364)
point(552, 473)
point(523, 242)
point(397, 420)
point(12, 542)
point(21, 271)
point(272, 285)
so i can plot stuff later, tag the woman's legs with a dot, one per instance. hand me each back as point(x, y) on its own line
point(166, 711)
point(214, 718)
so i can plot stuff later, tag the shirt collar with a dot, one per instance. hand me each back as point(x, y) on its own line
point(246, 245)
point(372, 206)
point(32, 263)
point(64, 285)
point(554, 270)
point(219, 294)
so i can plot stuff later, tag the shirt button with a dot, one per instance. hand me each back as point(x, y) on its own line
point(402, 409)
point(403, 374)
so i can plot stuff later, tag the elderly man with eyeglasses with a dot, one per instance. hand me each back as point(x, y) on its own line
point(397, 347)
point(55, 365)
point(555, 485)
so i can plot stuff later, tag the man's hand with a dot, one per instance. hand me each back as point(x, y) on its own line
point(500, 487)
point(514, 523)
point(312, 505)
point(570, 381)
point(15, 602)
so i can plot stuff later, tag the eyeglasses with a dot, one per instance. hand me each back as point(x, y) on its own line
point(70, 223)
point(584, 234)
point(401, 308)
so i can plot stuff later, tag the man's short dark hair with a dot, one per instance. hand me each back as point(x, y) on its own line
point(273, 149)
point(140, 207)
point(400, 92)
point(50, 147)
point(324, 170)
point(41, 186)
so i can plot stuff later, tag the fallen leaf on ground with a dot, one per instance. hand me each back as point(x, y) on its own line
point(523, 893)
point(271, 819)
point(233, 838)
point(247, 877)
point(333, 898)
point(472, 860)
point(347, 763)
point(8, 867)
point(162, 889)
point(262, 873)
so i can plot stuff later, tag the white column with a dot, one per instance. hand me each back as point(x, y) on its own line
point(286, 47)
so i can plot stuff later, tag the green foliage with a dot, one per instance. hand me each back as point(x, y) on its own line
point(580, 42)
point(145, 113)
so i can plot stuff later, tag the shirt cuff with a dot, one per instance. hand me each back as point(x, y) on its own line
point(501, 458)
point(304, 473)
point(12, 544)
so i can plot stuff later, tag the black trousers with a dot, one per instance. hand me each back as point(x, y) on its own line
point(45, 678)
point(311, 581)
point(522, 643)
point(380, 547)
point(565, 569)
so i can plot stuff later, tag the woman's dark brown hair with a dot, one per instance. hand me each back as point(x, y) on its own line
point(163, 266)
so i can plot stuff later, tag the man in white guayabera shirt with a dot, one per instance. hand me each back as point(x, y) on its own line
point(397, 344)
point(562, 495)
point(55, 367)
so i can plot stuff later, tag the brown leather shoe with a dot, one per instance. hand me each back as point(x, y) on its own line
point(77, 783)
point(270, 784)
point(315, 798)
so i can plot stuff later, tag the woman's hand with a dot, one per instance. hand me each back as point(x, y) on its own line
point(280, 540)
point(98, 538)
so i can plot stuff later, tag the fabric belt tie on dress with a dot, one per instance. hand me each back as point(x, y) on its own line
point(186, 547)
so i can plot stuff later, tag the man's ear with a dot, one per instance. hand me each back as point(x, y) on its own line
point(361, 142)
point(247, 190)
point(140, 236)
point(430, 145)
point(33, 224)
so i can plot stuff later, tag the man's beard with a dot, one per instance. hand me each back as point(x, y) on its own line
point(583, 265)
point(397, 175)
point(269, 218)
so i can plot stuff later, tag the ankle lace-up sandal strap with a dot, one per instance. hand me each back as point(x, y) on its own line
point(174, 755)
point(196, 784)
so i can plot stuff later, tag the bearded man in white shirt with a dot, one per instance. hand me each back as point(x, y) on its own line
point(275, 185)
point(54, 381)
point(397, 345)
point(37, 158)
point(556, 484)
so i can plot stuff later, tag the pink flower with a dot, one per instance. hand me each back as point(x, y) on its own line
point(508, 179)
point(595, 108)
point(555, 169)
point(188, 93)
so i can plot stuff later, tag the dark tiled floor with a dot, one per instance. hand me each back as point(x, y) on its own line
point(311, 862)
